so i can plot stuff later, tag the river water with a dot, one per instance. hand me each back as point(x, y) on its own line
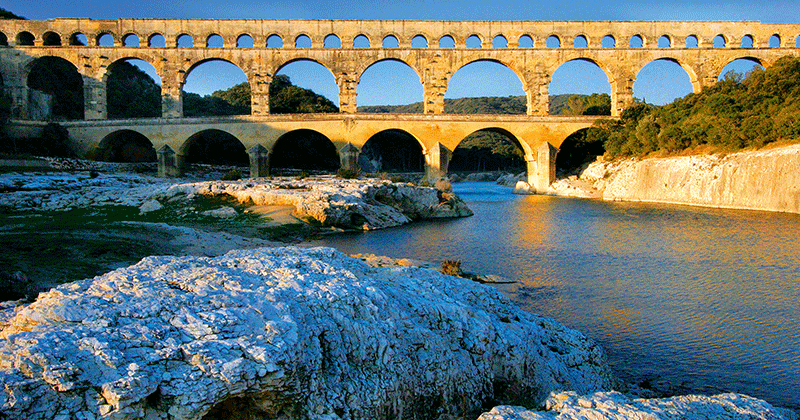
point(683, 299)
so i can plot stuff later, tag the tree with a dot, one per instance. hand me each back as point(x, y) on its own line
point(5, 14)
point(132, 93)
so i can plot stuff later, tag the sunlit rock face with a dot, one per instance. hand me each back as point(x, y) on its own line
point(286, 333)
point(614, 406)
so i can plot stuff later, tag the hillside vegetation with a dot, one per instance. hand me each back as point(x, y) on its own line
point(596, 104)
point(738, 112)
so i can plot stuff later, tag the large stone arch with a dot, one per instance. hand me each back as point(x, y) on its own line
point(599, 63)
point(278, 66)
point(365, 65)
point(692, 72)
point(104, 72)
point(518, 70)
point(214, 146)
point(291, 150)
point(378, 143)
point(125, 145)
point(459, 152)
point(515, 138)
point(64, 100)
point(191, 65)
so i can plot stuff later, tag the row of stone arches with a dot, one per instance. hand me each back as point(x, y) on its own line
point(601, 76)
point(390, 150)
point(392, 40)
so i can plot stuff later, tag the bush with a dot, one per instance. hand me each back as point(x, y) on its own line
point(348, 173)
point(232, 175)
point(452, 268)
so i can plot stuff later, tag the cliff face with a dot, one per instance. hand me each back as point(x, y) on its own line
point(758, 180)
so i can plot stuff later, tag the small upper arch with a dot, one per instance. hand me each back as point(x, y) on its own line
point(302, 41)
point(747, 41)
point(720, 41)
point(130, 40)
point(361, 41)
point(609, 41)
point(775, 41)
point(25, 38)
point(636, 41)
point(580, 41)
point(525, 41)
point(156, 40)
point(419, 41)
point(274, 41)
point(105, 39)
point(184, 40)
point(499, 41)
point(390, 41)
point(692, 41)
point(51, 39)
point(553, 41)
point(447, 41)
point(332, 41)
point(665, 41)
point(244, 41)
point(215, 41)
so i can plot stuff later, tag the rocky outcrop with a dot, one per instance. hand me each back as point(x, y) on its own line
point(364, 204)
point(758, 180)
point(282, 333)
point(614, 406)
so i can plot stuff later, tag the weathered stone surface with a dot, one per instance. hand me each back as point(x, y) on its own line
point(758, 180)
point(352, 204)
point(616, 406)
point(282, 333)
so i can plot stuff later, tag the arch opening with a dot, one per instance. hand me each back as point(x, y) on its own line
point(664, 42)
point(580, 87)
point(244, 41)
point(661, 82)
point(274, 41)
point(747, 42)
point(133, 90)
point(525, 41)
point(390, 86)
point(553, 41)
point(214, 147)
point(580, 41)
point(216, 87)
point(447, 41)
point(25, 38)
point(692, 42)
point(332, 41)
point(55, 90)
point(105, 40)
point(797, 42)
point(720, 41)
point(302, 41)
point(78, 39)
point(488, 150)
point(130, 40)
point(473, 42)
point(740, 68)
point(636, 41)
point(125, 146)
point(303, 86)
point(391, 151)
point(305, 150)
point(361, 41)
point(157, 41)
point(51, 39)
point(3, 39)
point(775, 41)
point(485, 87)
point(185, 41)
point(419, 41)
point(578, 150)
point(390, 41)
point(215, 41)
point(609, 42)
point(499, 42)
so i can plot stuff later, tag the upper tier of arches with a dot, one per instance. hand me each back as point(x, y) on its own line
point(472, 34)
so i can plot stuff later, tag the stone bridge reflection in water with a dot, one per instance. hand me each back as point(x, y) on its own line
point(683, 299)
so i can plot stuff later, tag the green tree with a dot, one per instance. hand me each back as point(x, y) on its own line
point(132, 93)
point(5, 14)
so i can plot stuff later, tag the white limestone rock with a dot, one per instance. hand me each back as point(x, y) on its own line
point(224, 212)
point(282, 333)
point(616, 406)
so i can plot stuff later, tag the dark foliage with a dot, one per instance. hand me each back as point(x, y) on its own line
point(59, 78)
point(132, 93)
point(487, 151)
point(516, 105)
point(5, 14)
point(397, 151)
point(215, 147)
point(737, 112)
point(286, 98)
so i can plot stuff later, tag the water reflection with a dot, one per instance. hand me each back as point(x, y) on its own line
point(687, 299)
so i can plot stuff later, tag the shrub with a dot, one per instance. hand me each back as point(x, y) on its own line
point(232, 175)
point(348, 173)
point(452, 268)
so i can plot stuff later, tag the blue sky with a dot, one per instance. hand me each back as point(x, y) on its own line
point(393, 84)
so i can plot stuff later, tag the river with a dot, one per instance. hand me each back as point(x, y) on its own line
point(683, 299)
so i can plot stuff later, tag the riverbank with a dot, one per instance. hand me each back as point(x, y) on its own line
point(753, 180)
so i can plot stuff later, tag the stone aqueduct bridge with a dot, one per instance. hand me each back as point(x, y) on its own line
point(523, 48)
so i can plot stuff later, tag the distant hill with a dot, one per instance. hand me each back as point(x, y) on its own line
point(5, 14)
point(515, 105)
